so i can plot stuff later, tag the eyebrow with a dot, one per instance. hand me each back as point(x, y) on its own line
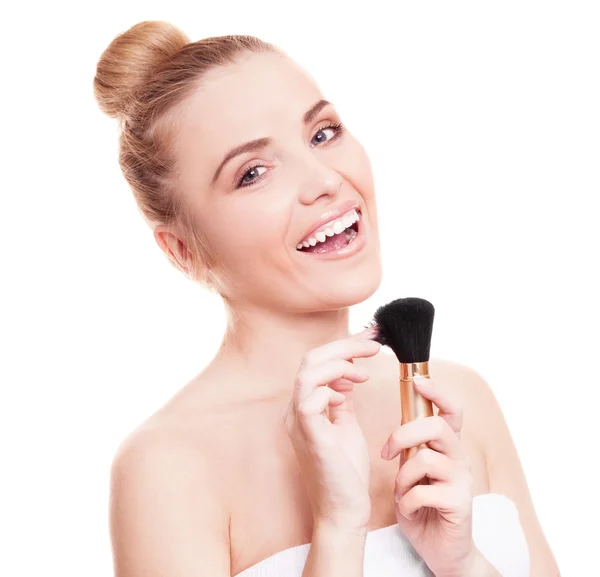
point(260, 143)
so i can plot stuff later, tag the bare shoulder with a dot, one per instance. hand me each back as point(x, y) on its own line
point(471, 391)
point(465, 383)
point(167, 514)
point(462, 383)
point(462, 380)
point(159, 445)
point(179, 442)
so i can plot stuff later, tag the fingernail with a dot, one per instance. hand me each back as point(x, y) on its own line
point(371, 331)
point(385, 452)
point(421, 381)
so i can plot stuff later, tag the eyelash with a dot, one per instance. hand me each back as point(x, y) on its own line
point(339, 128)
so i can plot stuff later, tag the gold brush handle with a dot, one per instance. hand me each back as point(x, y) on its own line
point(414, 406)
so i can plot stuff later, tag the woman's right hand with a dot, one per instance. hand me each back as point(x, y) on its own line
point(331, 450)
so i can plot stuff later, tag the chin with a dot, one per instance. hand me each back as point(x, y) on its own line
point(352, 289)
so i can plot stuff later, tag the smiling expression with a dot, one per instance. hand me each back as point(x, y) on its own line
point(263, 160)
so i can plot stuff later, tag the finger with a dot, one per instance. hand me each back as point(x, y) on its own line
point(369, 332)
point(358, 345)
point(454, 502)
point(449, 405)
point(434, 431)
point(426, 463)
point(311, 411)
point(435, 496)
point(346, 388)
point(316, 403)
point(311, 377)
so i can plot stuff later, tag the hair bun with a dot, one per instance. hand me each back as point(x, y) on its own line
point(130, 59)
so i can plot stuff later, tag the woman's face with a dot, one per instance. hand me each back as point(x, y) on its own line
point(261, 204)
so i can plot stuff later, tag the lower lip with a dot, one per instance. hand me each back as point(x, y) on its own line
point(349, 250)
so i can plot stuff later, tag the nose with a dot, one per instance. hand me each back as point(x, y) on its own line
point(317, 179)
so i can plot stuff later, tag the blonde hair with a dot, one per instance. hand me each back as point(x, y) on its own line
point(142, 75)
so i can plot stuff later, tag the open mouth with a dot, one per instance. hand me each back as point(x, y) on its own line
point(329, 240)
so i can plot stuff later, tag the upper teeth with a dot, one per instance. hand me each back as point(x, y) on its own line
point(334, 227)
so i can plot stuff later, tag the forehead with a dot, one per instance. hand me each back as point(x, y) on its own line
point(249, 99)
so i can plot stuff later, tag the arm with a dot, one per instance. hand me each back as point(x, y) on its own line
point(504, 468)
point(164, 515)
point(335, 553)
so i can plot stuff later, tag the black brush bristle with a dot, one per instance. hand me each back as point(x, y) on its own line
point(405, 325)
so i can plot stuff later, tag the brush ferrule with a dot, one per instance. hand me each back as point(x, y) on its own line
point(410, 370)
point(413, 405)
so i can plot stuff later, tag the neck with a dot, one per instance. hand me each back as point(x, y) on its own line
point(267, 346)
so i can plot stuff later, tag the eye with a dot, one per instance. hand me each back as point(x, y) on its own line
point(336, 128)
point(252, 170)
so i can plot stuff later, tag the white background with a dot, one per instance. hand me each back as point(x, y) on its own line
point(482, 122)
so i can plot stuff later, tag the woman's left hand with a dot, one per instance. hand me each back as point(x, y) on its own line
point(436, 517)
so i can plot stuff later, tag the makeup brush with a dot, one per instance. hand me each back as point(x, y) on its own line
point(405, 325)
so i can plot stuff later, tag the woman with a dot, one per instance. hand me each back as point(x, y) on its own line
point(290, 435)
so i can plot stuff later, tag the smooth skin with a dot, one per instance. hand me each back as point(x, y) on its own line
point(228, 471)
point(180, 492)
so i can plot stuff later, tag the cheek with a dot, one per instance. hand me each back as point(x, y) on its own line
point(241, 231)
point(356, 167)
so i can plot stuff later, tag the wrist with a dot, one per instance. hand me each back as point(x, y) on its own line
point(336, 550)
point(333, 532)
point(479, 566)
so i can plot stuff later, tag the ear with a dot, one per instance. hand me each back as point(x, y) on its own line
point(174, 247)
